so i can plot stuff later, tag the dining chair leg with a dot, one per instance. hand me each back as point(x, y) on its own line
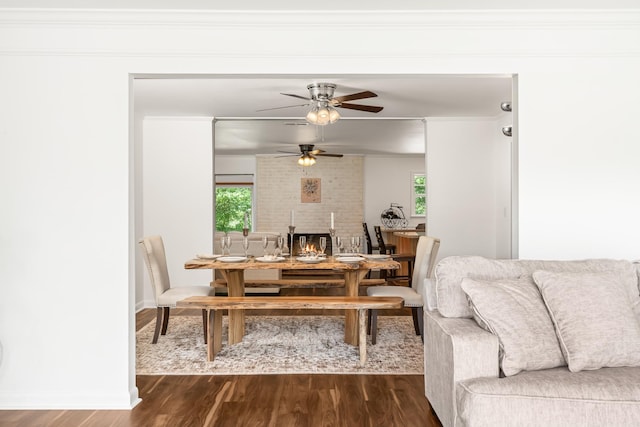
point(156, 333)
point(418, 321)
point(204, 324)
point(373, 325)
point(165, 320)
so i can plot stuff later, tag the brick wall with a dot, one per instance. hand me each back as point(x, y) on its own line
point(278, 191)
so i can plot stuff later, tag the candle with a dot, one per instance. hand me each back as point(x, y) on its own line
point(291, 221)
point(246, 221)
point(332, 224)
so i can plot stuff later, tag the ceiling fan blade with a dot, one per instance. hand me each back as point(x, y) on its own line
point(329, 155)
point(280, 108)
point(354, 96)
point(289, 152)
point(315, 152)
point(369, 108)
point(296, 96)
point(290, 155)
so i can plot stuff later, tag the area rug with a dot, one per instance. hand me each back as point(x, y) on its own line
point(280, 345)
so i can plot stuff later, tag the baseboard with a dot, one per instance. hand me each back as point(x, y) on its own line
point(69, 401)
point(141, 305)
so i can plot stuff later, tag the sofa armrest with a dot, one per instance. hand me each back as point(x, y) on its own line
point(455, 349)
point(429, 294)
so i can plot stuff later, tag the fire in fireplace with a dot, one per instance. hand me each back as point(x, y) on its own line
point(313, 239)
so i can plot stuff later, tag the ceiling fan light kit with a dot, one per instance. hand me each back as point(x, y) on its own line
point(322, 114)
point(306, 160)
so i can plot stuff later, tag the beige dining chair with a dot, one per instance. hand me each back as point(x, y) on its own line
point(165, 295)
point(426, 253)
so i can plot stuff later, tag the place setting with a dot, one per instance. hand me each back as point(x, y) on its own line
point(352, 257)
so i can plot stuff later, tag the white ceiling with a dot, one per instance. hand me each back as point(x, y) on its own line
point(241, 128)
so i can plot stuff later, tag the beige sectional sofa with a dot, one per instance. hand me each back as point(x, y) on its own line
point(559, 343)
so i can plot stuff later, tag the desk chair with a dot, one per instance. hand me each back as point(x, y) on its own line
point(370, 247)
point(391, 250)
point(426, 253)
point(166, 296)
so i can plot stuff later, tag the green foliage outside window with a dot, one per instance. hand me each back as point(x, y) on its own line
point(231, 205)
point(420, 191)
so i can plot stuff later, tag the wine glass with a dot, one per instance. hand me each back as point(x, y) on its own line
point(245, 245)
point(323, 244)
point(302, 241)
point(223, 244)
point(340, 243)
point(279, 245)
point(265, 244)
point(228, 243)
point(355, 244)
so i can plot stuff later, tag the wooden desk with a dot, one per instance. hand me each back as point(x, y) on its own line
point(406, 241)
point(390, 236)
point(234, 275)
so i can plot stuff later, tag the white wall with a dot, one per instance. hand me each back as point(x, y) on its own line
point(388, 180)
point(462, 195)
point(177, 194)
point(67, 316)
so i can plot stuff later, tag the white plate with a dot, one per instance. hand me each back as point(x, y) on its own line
point(349, 259)
point(207, 256)
point(377, 256)
point(265, 259)
point(348, 254)
point(232, 258)
point(309, 260)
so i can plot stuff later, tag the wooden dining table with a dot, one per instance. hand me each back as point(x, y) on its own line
point(233, 272)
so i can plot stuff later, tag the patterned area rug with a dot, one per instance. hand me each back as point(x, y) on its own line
point(280, 345)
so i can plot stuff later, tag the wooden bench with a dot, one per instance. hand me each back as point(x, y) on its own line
point(215, 305)
point(299, 283)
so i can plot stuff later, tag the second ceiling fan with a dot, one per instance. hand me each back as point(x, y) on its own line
point(308, 154)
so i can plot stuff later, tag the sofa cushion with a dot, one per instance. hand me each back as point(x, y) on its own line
point(552, 397)
point(449, 272)
point(593, 317)
point(513, 310)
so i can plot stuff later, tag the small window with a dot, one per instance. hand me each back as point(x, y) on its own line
point(234, 202)
point(418, 194)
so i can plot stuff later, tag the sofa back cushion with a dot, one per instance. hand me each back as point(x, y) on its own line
point(593, 317)
point(513, 310)
point(450, 271)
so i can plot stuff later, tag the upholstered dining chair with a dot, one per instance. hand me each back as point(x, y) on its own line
point(165, 295)
point(426, 253)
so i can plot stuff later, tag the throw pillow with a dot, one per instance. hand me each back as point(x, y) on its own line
point(513, 310)
point(593, 317)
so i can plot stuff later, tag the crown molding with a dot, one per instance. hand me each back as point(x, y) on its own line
point(193, 34)
point(324, 19)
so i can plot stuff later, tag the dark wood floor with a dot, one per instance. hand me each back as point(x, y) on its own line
point(254, 400)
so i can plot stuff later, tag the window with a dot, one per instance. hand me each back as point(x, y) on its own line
point(234, 199)
point(418, 194)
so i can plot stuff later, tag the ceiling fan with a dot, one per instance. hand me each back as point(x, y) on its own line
point(308, 154)
point(323, 104)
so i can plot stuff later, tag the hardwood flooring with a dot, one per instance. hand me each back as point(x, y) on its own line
point(253, 400)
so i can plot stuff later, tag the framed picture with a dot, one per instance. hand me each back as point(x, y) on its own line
point(310, 190)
